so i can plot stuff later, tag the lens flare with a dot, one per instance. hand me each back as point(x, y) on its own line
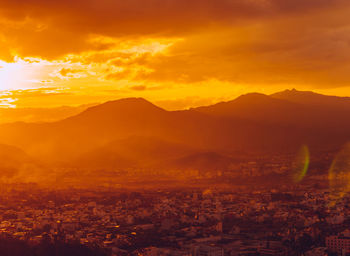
point(301, 164)
point(339, 175)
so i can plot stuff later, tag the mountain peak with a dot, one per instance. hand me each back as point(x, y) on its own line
point(294, 92)
point(122, 108)
point(312, 98)
point(131, 101)
point(252, 96)
point(126, 104)
point(252, 106)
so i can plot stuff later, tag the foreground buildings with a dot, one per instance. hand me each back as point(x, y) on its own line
point(242, 220)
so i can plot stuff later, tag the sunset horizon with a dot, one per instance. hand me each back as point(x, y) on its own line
point(170, 105)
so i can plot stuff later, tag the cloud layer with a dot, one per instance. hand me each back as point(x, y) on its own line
point(140, 45)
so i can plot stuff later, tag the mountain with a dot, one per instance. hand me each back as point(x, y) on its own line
point(81, 133)
point(314, 99)
point(135, 133)
point(325, 125)
point(116, 120)
point(328, 112)
point(258, 107)
point(302, 110)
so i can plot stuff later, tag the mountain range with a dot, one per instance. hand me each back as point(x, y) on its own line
point(134, 133)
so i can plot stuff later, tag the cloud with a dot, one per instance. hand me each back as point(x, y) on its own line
point(87, 46)
point(148, 88)
point(7, 102)
point(68, 73)
point(302, 50)
point(68, 25)
point(138, 87)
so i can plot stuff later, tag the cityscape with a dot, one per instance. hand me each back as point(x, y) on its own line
point(221, 218)
point(236, 221)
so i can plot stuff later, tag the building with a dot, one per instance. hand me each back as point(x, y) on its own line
point(338, 244)
point(205, 250)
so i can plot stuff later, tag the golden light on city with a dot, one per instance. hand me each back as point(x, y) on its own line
point(301, 164)
point(339, 175)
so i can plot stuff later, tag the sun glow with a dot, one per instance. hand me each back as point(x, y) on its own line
point(25, 73)
point(12, 75)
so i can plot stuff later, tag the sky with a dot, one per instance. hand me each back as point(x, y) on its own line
point(176, 53)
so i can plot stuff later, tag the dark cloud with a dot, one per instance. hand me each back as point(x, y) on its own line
point(243, 41)
point(310, 50)
point(67, 24)
point(138, 88)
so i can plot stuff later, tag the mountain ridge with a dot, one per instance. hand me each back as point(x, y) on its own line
point(258, 123)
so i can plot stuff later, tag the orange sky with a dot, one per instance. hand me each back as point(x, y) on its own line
point(177, 53)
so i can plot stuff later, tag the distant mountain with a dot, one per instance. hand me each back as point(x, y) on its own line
point(326, 125)
point(303, 110)
point(257, 107)
point(314, 99)
point(133, 132)
point(11, 115)
point(81, 133)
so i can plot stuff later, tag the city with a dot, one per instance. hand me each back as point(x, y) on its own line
point(240, 220)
